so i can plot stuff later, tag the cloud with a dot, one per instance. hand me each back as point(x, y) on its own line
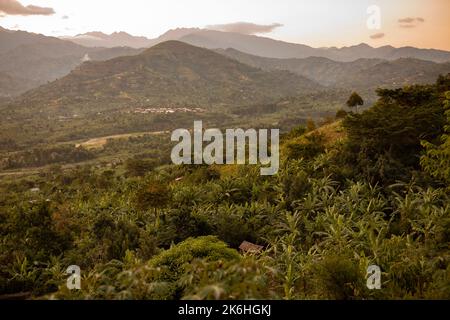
point(245, 27)
point(406, 20)
point(14, 7)
point(410, 22)
point(377, 36)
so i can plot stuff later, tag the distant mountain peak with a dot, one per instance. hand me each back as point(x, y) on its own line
point(171, 45)
point(177, 33)
point(121, 33)
point(181, 30)
point(115, 39)
point(178, 48)
point(97, 34)
point(363, 45)
point(103, 35)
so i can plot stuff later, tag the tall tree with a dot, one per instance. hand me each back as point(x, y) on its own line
point(355, 100)
point(384, 142)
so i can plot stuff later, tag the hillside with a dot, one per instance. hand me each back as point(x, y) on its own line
point(46, 61)
point(10, 85)
point(361, 73)
point(10, 39)
point(348, 195)
point(38, 59)
point(169, 72)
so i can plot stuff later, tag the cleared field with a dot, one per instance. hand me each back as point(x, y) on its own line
point(97, 143)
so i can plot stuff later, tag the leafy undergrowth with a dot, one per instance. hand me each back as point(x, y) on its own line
point(173, 232)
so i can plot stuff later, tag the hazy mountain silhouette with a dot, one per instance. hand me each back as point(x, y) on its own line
point(10, 39)
point(176, 34)
point(37, 59)
point(263, 46)
point(267, 47)
point(123, 39)
point(116, 39)
point(361, 73)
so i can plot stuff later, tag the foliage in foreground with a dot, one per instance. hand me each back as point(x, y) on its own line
point(172, 232)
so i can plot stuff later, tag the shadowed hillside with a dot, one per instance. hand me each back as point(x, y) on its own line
point(38, 59)
point(361, 73)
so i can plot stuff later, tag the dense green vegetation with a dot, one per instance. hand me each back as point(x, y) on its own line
point(25, 133)
point(385, 141)
point(41, 157)
point(170, 72)
point(356, 192)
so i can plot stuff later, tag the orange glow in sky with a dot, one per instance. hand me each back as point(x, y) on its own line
point(318, 23)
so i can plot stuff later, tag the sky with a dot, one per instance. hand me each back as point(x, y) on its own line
point(318, 23)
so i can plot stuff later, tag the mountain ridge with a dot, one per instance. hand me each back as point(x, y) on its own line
point(361, 73)
point(272, 48)
point(171, 71)
point(38, 59)
point(115, 39)
point(267, 47)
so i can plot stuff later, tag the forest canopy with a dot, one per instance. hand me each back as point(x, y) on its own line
point(372, 188)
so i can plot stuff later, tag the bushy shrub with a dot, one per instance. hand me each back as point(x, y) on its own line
point(179, 256)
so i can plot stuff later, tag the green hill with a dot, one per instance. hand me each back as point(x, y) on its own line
point(359, 192)
point(169, 72)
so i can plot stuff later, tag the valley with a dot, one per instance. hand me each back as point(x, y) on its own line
point(87, 178)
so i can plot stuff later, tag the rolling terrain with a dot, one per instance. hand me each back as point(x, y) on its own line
point(37, 59)
point(361, 73)
point(171, 72)
point(87, 179)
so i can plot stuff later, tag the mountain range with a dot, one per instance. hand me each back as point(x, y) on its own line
point(116, 39)
point(32, 59)
point(361, 73)
point(123, 39)
point(170, 72)
point(260, 46)
point(28, 60)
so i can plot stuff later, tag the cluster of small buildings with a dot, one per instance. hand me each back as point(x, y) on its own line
point(167, 110)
